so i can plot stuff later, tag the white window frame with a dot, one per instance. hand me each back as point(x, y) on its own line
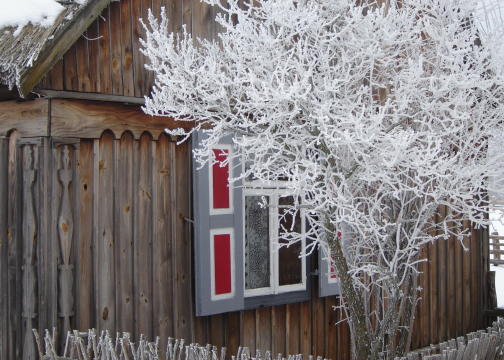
point(275, 288)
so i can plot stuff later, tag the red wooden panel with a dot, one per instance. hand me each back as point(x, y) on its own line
point(220, 179)
point(222, 263)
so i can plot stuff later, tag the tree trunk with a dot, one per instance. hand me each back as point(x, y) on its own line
point(355, 308)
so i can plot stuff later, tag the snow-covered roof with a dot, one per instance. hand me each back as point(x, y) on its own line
point(18, 14)
point(35, 34)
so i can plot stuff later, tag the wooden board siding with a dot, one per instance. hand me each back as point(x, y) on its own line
point(107, 58)
point(129, 201)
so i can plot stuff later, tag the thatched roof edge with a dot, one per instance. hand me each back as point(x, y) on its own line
point(27, 57)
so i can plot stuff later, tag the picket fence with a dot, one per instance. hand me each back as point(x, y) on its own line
point(481, 345)
point(90, 346)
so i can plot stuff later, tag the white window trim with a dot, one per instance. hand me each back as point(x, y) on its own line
point(275, 287)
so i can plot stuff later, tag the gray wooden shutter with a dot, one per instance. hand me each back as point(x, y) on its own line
point(218, 237)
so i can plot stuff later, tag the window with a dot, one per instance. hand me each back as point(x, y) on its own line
point(269, 267)
point(238, 233)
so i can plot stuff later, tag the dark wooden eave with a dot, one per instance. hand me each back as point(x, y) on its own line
point(63, 40)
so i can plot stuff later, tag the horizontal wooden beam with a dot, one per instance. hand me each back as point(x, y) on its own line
point(30, 118)
point(58, 46)
point(89, 119)
point(56, 94)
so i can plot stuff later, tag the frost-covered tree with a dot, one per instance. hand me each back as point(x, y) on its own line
point(377, 114)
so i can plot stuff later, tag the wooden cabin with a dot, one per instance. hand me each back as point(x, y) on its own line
point(96, 214)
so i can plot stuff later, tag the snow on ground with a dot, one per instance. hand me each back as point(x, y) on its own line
point(19, 13)
point(499, 284)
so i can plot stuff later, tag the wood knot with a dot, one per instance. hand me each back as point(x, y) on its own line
point(101, 164)
point(64, 227)
point(105, 313)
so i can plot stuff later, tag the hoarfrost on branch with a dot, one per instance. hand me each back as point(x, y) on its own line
point(377, 115)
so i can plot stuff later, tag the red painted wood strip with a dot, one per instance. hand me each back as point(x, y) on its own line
point(220, 178)
point(222, 258)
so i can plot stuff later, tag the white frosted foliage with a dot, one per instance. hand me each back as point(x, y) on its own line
point(377, 116)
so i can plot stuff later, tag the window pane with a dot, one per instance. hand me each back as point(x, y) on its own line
point(290, 265)
point(257, 251)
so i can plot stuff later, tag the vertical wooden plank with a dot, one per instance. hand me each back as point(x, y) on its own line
point(84, 258)
point(4, 267)
point(66, 158)
point(29, 232)
point(94, 56)
point(232, 332)
point(143, 238)
point(126, 48)
point(292, 332)
point(200, 332)
point(138, 60)
point(433, 293)
point(203, 24)
point(318, 320)
point(46, 237)
point(344, 344)
point(13, 252)
point(263, 328)
point(82, 55)
point(484, 246)
point(187, 6)
point(278, 329)
point(248, 330)
point(104, 218)
point(52, 248)
point(305, 345)
point(332, 331)
point(115, 48)
point(474, 251)
point(105, 63)
point(162, 242)
point(482, 269)
point(451, 301)
point(154, 6)
point(442, 276)
point(217, 330)
point(466, 287)
point(182, 238)
point(174, 11)
point(459, 291)
point(424, 304)
point(55, 76)
point(70, 81)
point(124, 231)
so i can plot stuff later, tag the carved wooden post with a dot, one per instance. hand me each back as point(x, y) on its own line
point(65, 232)
point(29, 247)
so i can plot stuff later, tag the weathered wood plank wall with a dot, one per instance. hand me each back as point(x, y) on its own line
point(107, 58)
point(108, 205)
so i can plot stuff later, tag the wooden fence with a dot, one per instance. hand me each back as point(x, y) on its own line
point(480, 345)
